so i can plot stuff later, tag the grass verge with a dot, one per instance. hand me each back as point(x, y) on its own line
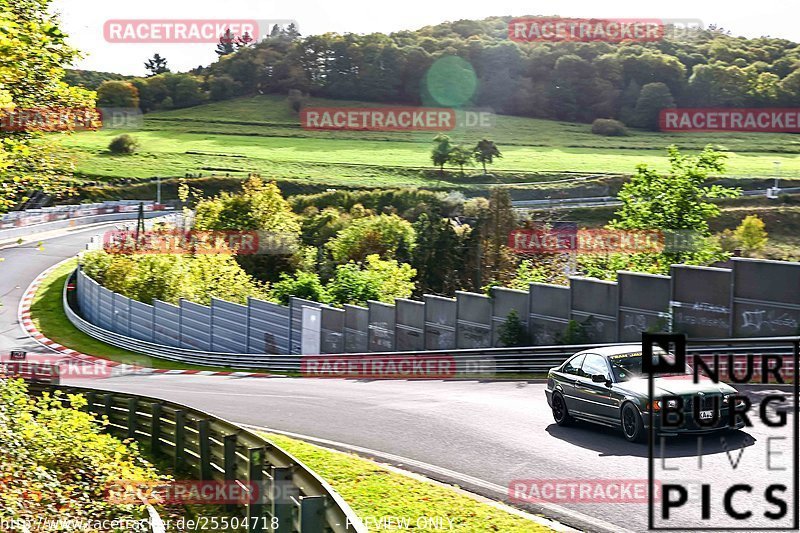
point(375, 492)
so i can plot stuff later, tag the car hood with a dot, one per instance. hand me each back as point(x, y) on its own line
point(675, 386)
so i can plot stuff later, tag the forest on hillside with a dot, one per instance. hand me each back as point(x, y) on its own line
point(471, 63)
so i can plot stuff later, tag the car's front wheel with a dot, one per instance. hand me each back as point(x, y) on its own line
point(632, 425)
point(560, 412)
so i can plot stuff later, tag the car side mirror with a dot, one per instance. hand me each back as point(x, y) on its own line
point(600, 378)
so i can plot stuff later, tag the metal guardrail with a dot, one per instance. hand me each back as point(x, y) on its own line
point(469, 362)
point(294, 498)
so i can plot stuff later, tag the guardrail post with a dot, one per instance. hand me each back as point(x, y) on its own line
point(180, 439)
point(256, 521)
point(203, 430)
point(90, 399)
point(155, 428)
point(132, 403)
point(312, 510)
point(107, 399)
point(281, 497)
point(229, 462)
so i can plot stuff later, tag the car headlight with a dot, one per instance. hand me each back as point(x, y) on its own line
point(658, 403)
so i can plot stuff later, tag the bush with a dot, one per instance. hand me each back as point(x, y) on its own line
point(170, 277)
point(123, 144)
point(608, 127)
point(512, 332)
point(56, 461)
point(751, 234)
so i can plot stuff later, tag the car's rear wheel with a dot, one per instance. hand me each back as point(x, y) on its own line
point(632, 425)
point(560, 412)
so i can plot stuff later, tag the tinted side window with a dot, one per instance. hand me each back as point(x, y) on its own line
point(594, 364)
point(573, 365)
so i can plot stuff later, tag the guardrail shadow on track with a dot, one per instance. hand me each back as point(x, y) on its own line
point(294, 498)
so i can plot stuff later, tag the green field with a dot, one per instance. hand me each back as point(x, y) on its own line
point(262, 134)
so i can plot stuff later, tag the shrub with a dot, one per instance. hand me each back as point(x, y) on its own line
point(389, 236)
point(170, 277)
point(512, 332)
point(56, 461)
point(751, 234)
point(374, 279)
point(123, 144)
point(306, 285)
point(608, 127)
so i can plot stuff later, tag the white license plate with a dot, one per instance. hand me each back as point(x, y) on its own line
point(706, 415)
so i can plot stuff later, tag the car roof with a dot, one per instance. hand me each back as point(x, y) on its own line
point(614, 350)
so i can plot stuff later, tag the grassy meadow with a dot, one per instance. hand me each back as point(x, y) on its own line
point(262, 134)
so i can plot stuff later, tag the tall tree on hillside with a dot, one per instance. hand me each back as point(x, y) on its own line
point(244, 40)
point(156, 65)
point(226, 43)
point(460, 155)
point(653, 98)
point(485, 152)
point(440, 154)
point(34, 54)
point(117, 94)
point(498, 261)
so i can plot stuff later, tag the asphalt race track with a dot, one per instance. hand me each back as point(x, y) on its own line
point(479, 435)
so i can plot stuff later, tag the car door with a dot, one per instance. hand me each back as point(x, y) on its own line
point(596, 399)
point(566, 381)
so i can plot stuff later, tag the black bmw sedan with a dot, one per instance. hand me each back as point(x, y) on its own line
point(606, 386)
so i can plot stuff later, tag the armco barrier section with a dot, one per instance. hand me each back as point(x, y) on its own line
point(21, 223)
point(753, 298)
point(483, 362)
point(283, 495)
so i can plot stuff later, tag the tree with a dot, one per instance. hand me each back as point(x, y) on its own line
point(497, 261)
point(675, 203)
point(34, 54)
point(485, 152)
point(440, 154)
point(244, 40)
point(653, 98)
point(751, 235)
point(226, 43)
point(387, 236)
point(260, 206)
point(156, 65)
point(437, 256)
point(374, 279)
point(301, 284)
point(460, 155)
point(117, 94)
point(221, 88)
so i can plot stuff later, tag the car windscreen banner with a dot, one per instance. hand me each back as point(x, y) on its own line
point(723, 433)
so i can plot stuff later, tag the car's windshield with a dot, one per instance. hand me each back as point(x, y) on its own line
point(628, 366)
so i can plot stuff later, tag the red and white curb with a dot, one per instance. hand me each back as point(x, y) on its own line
point(114, 368)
